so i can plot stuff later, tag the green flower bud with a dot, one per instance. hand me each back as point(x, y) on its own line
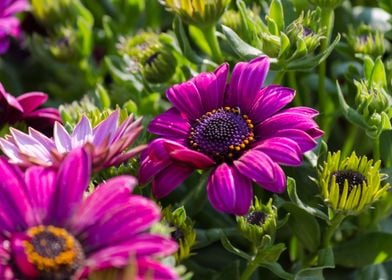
point(260, 221)
point(197, 12)
point(366, 41)
point(351, 184)
point(371, 99)
point(152, 57)
point(329, 4)
point(182, 230)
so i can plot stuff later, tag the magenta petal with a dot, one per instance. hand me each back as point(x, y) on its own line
point(10, 99)
point(15, 206)
point(40, 183)
point(229, 191)
point(272, 99)
point(170, 178)
point(259, 167)
point(281, 150)
point(211, 87)
point(71, 182)
point(153, 160)
point(246, 81)
point(186, 98)
point(31, 100)
point(156, 270)
point(170, 124)
point(304, 140)
point(185, 155)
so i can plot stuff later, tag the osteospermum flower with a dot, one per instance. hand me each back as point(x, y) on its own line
point(239, 130)
point(351, 184)
point(24, 108)
point(9, 24)
point(48, 231)
point(106, 143)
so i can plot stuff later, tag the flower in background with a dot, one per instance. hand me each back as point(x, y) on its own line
point(9, 23)
point(239, 130)
point(24, 108)
point(351, 184)
point(106, 143)
point(50, 232)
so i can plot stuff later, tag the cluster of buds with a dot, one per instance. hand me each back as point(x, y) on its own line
point(349, 185)
point(293, 46)
point(68, 26)
point(260, 222)
point(364, 40)
point(151, 55)
point(197, 12)
point(373, 109)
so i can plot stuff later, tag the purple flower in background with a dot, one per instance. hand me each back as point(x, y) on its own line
point(48, 231)
point(240, 130)
point(9, 24)
point(106, 143)
point(24, 108)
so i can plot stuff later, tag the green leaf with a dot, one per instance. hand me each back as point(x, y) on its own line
point(370, 248)
point(292, 192)
point(103, 97)
point(378, 75)
point(325, 259)
point(231, 248)
point(304, 226)
point(240, 47)
point(270, 253)
point(277, 269)
point(230, 272)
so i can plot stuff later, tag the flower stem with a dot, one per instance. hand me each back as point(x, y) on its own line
point(294, 85)
point(278, 77)
point(335, 223)
point(376, 149)
point(325, 106)
point(212, 40)
point(250, 268)
point(349, 140)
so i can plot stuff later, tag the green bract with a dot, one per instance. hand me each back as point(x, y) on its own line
point(351, 184)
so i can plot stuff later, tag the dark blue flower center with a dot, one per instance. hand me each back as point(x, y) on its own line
point(353, 178)
point(222, 134)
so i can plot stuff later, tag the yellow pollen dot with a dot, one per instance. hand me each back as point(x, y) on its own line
point(237, 148)
point(246, 141)
point(230, 155)
point(248, 121)
point(227, 108)
point(250, 138)
point(250, 125)
point(245, 116)
point(231, 147)
point(242, 145)
point(208, 113)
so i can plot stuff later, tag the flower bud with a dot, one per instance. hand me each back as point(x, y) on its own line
point(366, 41)
point(260, 221)
point(351, 184)
point(197, 12)
point(329, 4)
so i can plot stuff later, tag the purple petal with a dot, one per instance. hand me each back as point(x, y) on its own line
point(211, 87)
point(272, 99)
point(106, 129)
point(153, 160)
point(15, 206)
point(31, 101)
point(288, 120)
point(281, 150)
point(259, 167)
point(40, 184)
point(16, 6)
point(82, 133)
point(170, 124)
point(12, 152)
point(304, 140)
point(229, 191)
point(43, 139)
point(11, 101)
point(186, 98)
point(62, 139)
point(71, 182)
point(155, 269)
point(169, 179)
point(246, 81)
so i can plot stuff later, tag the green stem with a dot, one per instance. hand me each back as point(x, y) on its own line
point(212, 40)
point(376, 149)
point(250, 269)
point(349, 140)
point(327, 20)
point(278, 77)
point(294, 85)
point(335, 223)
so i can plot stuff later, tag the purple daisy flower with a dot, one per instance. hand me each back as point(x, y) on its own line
point(48, 231)
point(106, 143)
point(9, 24)
point(24, 108)
point(240, 130)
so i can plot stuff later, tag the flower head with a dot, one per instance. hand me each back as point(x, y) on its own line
point(50, 232)
point(351, 184)
point(240, 130)
point(9, 24)
point(24, 108)
point(106, 143)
